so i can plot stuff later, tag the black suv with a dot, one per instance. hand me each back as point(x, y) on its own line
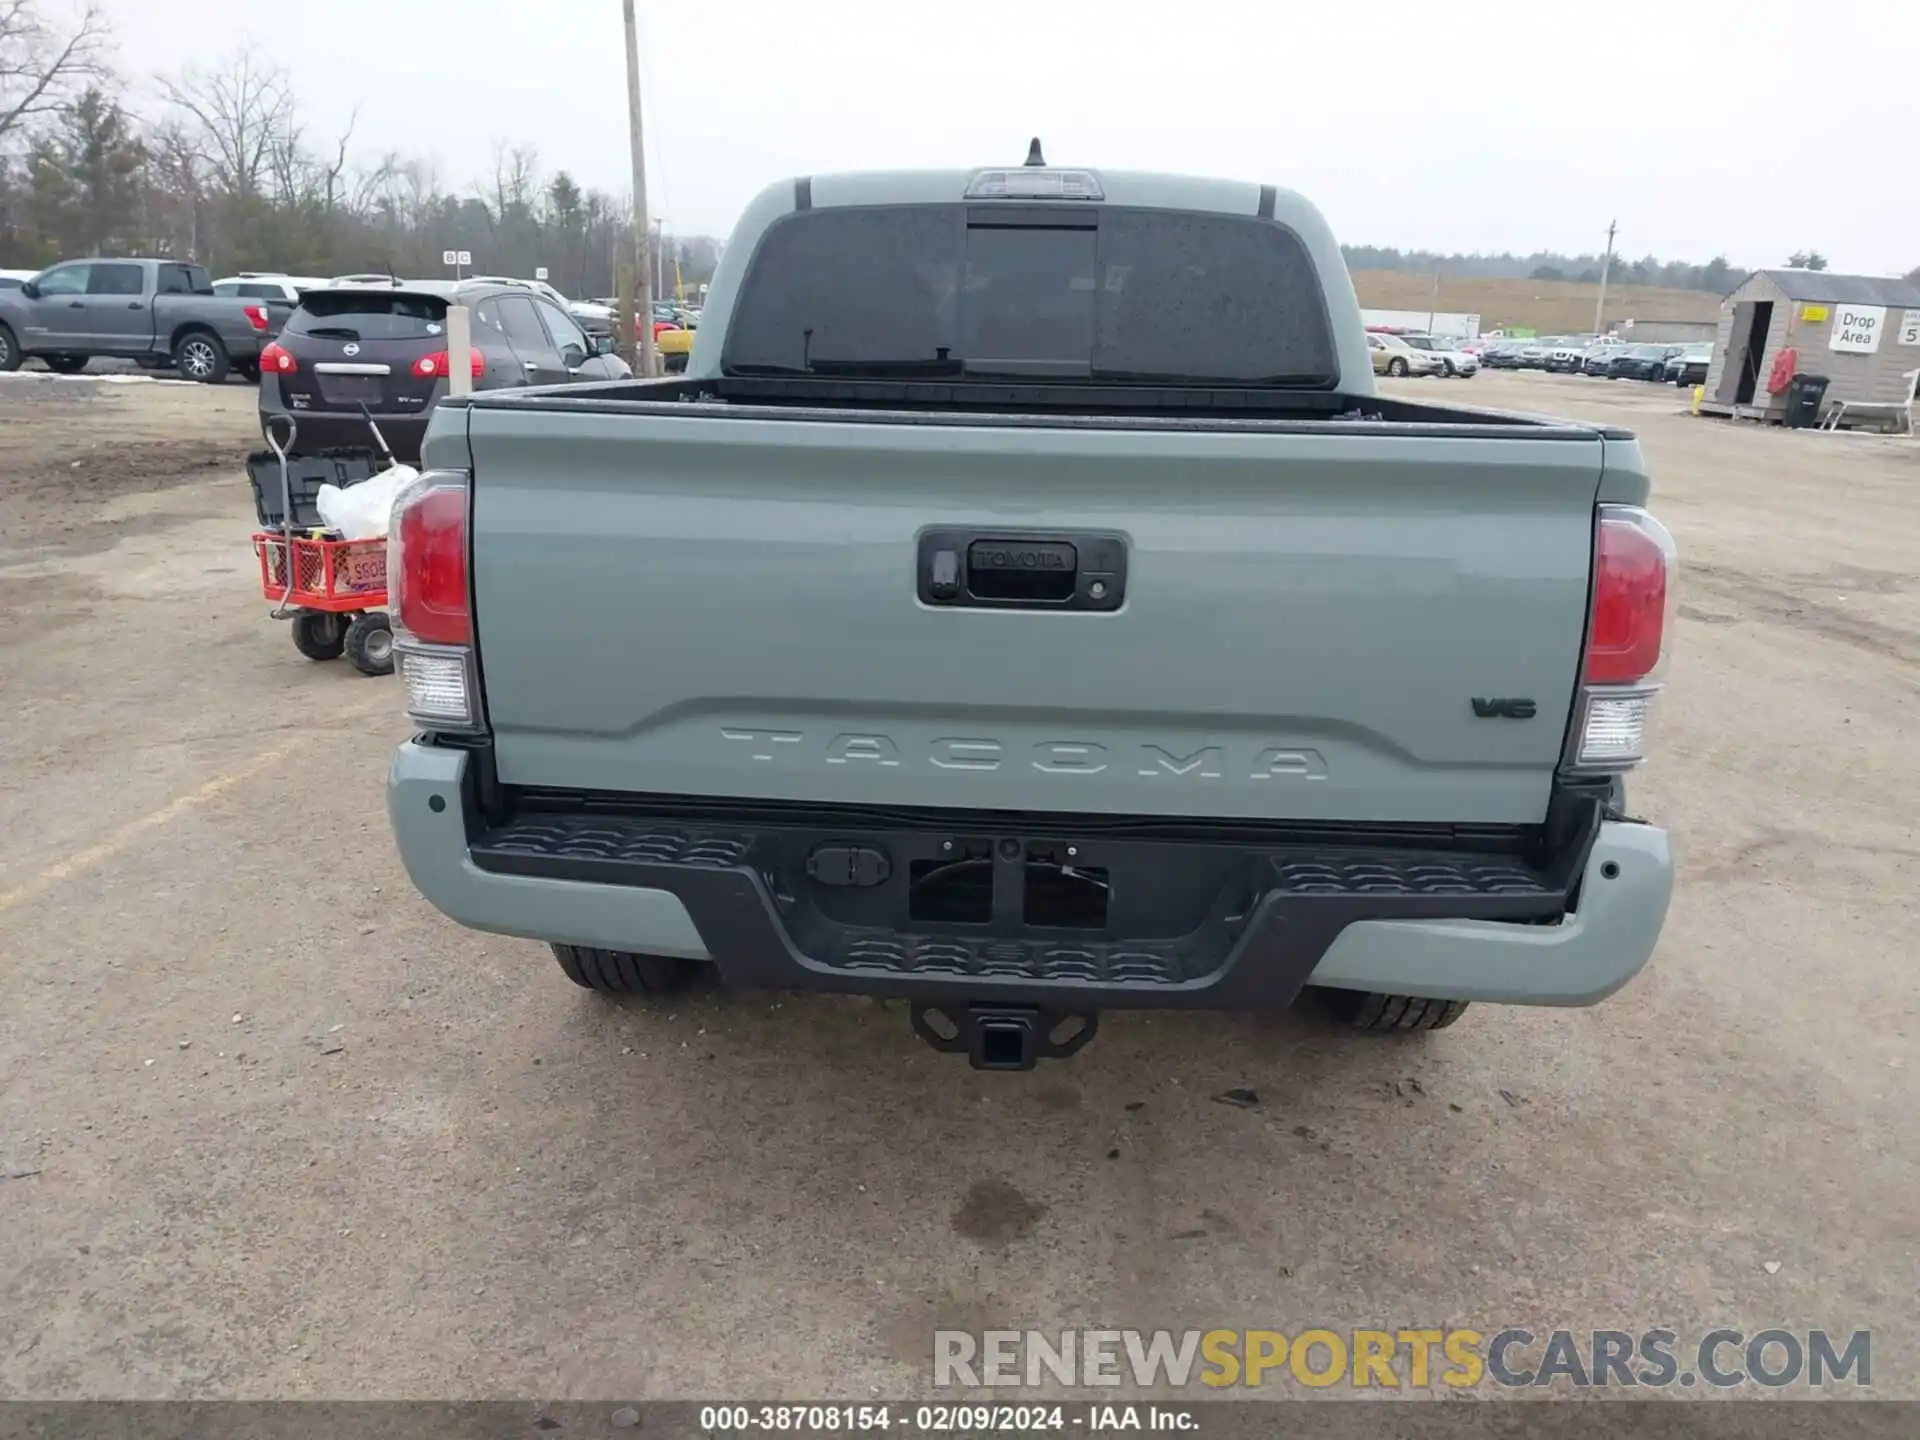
point(350, 350)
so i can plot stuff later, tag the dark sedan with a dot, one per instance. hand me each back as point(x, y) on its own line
point(1599, 360)
point(1503, 355)
point(1640, 362)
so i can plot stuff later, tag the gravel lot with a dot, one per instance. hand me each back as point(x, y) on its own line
point(270, 1127)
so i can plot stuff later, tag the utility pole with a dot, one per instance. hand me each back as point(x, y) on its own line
point(640, 277)
point(1606, 264)
point(1433, 300)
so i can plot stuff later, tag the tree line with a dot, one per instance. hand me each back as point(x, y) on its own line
point(226, 171)
point(1718, 274)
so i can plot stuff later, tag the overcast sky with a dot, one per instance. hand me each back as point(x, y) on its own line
point(1704, 126)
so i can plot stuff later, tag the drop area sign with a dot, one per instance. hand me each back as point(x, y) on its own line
point(1857, 328)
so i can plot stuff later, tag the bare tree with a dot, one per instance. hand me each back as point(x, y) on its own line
point(178, 199)
point(516, 179)
point(43, 63)
point(291, 170)
point(334, 171)
point(369, 195)
point(238, 112)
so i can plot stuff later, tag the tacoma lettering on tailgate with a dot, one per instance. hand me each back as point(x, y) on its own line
point(1050, 757)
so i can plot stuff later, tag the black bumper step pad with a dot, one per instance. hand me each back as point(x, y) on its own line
point(1247, 928)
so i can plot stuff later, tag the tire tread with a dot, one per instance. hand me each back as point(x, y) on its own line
point(306, 637)
point(622, 972)
point(1402, 1013)
point(360, 630)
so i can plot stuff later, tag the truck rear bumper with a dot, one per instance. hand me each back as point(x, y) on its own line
point(1447, 925)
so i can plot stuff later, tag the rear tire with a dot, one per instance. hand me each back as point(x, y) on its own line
point(9, 351)
point(369, 643)
point(319, 636)
point(623, 972)
point(199, 356)
point(1366, 1010)
point(65, 364)
point(1397, 368)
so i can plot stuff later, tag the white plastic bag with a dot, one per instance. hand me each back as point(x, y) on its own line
point(360, 512)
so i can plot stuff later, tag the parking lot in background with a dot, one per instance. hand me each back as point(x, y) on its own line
point(271, 1127)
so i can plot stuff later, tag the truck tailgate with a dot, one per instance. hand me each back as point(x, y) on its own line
point(721, 606)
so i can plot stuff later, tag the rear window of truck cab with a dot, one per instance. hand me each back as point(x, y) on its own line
point(1033, 291)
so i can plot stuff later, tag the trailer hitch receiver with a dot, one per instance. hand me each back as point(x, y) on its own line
point(1004, 1037)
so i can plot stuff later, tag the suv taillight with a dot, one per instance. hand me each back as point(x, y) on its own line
point(1633, 575)
point(276, 359)
point(427, 597)
point(437, 366)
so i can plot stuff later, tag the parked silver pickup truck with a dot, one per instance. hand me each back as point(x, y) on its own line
point(157, 312)
point(1025, 606)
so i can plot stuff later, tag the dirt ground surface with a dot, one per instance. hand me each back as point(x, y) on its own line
point(272, 1127)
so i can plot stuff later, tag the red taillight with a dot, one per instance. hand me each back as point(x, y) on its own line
point(428, 587)
point(1632, 557)
point(276, 360)
point(258, 315)
point(438, 366)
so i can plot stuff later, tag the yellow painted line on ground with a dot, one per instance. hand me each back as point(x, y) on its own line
point(119, 840)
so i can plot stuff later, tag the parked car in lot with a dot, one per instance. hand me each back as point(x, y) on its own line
point(1640, 362)
point(1503, 354)
point(1453, 361)
point(157, 312)
point(1567, 354)
point(1534, 353)
point(1599, 356)
point(1392, 355)
point(1688, 365)
point(385, 349)
point(592, 317)
point(14, 279)
point(860, 765)
point(279, 293)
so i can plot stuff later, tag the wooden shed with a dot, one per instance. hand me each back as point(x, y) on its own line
point(1861, 331)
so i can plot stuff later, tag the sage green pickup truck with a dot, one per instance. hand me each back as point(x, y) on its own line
point(1024, 606)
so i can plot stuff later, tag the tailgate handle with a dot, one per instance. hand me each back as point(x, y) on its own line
point(1022, 570)
point(1042, 571)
